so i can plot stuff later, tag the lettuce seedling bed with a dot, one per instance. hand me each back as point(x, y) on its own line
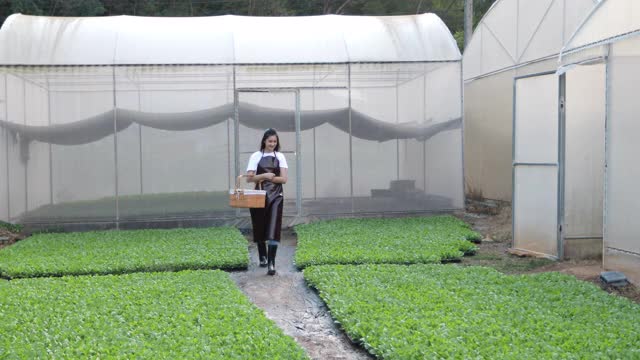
point(113, 252)
point(455, 312)
point(183, 315)
point(397, 241)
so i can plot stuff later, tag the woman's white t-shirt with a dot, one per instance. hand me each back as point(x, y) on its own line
point(256, 156)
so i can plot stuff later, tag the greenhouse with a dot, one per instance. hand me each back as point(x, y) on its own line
point(128, 120)
point(609, 40)
point(515, 38)
point(530, 137)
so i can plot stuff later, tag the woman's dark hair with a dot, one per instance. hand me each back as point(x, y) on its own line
point(267, 133)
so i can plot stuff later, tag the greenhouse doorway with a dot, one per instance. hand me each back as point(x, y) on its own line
point(582, 163)
point(558, 163)
point(536, 165)
point(258, 109)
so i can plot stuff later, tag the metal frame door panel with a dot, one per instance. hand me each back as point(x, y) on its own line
point(536, 159)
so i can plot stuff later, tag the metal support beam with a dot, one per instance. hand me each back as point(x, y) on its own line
point(350, 141)
point(6, 131)
point(115, 145)
point(397, 121)
point(49, 145)
point(298, 156)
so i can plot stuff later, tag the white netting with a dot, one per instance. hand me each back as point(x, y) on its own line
point(155, 142)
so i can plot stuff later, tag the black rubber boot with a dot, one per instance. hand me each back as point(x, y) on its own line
point(262, 253)
point(271, 260)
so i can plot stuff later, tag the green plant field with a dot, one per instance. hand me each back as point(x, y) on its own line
point(455, 312)
point(400, 241)
point(112, 252)
point(184, 315)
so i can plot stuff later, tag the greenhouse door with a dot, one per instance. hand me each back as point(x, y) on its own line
point(535, 164)
point(258, 109)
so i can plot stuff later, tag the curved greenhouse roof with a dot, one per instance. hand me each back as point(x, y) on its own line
point(228, 39)
point(610, 21)
point(516, 32)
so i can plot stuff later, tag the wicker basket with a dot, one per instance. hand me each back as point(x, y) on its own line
point(247, 198)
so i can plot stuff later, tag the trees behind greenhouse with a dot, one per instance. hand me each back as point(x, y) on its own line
point(450, 11)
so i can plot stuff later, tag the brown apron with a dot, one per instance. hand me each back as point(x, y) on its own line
point(268, 221)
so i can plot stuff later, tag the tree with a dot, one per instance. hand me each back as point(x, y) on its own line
point(76, 8)
point(450, 11)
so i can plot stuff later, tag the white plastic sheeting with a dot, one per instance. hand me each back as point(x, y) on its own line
point(514, 32)
point(609, 21)
point(623, 172)
point(622, 245)
point(584, 161)
point(32, 40)
point(514, 38)
point(613, 29)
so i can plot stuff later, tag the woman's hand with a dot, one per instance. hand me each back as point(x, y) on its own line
point(252, 177)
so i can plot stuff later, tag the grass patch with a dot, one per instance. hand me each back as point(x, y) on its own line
point(113, 252)
point(185, 315)
point(400, 241)
point(450, 311)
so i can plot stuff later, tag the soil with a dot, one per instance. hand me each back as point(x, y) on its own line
point(493, 221)
point(7, 237)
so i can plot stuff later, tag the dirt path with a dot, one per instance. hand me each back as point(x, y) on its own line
point(294, 307)
point(7, 237)
point(495, 225)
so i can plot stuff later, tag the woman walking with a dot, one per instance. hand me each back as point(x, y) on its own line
point(268, 167)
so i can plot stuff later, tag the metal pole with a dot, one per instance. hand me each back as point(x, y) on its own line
point(236, 124)
point(607, 142)
point(298, 156)
point(561, 162)
point(25, 156)
point(228, 139)
point(315, 156)
point(50, 147)
point(462, 160)
point(140, 144)
point(115, 145)
point(424, 117)
point(397, 120)
point(350, 139)
point(6, 131)
point(514, 200)
point(468, 21)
